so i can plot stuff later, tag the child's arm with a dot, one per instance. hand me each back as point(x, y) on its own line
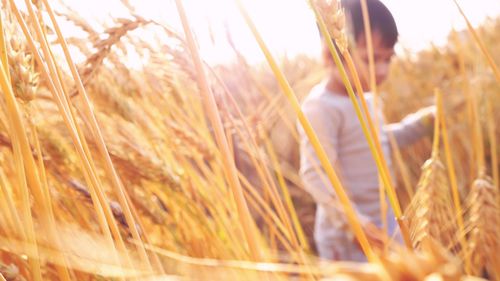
point(413, 127)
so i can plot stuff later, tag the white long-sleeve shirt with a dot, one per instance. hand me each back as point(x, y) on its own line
point(334, 120)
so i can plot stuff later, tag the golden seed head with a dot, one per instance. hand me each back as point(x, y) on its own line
point(429, 213)
point(24, 78)
point(334, 17)
point(482, 219)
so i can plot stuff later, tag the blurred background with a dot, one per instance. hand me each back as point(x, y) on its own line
point(420, 23)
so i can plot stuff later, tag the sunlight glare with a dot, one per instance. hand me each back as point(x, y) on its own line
point(287, 26)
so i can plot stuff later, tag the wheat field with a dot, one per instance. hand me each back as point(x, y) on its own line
point(179, 170)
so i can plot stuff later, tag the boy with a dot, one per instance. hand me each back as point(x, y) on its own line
point(333, 118)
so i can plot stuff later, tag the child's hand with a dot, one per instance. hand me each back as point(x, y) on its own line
point(427, 115)
point(455, 104)
point(376, 236)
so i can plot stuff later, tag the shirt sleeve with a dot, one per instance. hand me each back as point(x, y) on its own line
point(326, 123)
point(413, 127)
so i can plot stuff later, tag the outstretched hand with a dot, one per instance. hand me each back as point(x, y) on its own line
point(377, 238)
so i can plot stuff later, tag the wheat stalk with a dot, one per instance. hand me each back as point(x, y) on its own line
point(452, 179)
point(480, 43)
point(88, 115)
point(373, 86)
point(49, 72)
point(493, 142)
point(229, 166)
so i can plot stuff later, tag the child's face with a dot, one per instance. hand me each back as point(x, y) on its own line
point(382, 56)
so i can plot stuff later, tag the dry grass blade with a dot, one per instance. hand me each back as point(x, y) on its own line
point(27, 172)
point(88, 115)
point(452, 178)
point(432, 261)
point(84, 251)
point(248, 225)
point(493, 141)
point(400, 265)
point(480, 43)
point(51, 73)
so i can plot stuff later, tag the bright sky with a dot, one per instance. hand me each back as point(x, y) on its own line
point(288, 26)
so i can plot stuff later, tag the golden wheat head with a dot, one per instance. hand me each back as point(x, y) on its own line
point(429, 213)
point(483, 227)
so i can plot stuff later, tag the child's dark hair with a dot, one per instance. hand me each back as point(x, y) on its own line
point(381, 20)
